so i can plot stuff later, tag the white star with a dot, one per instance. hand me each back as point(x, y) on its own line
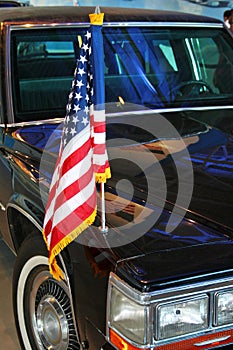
point(81, 71)
point(73, 131)
point(87, 98)
point(78, 96)
point(85, 47)
point(68, 107)
point(79, 83)
point(88, 35)
point(82, 59)
point(85, 121)
point(75, 119)
point(86, 109)
point(76, 109)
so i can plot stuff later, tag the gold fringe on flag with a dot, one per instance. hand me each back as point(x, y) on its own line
point(54, 268)
point(102, 177)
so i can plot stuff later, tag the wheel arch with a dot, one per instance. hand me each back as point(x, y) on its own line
point(23, 264)
point(24, 217)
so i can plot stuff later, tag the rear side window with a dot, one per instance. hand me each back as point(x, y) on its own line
point(45, 63)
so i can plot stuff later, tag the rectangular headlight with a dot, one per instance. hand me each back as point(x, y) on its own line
point(182, 317)
point(224, 308)
point(128, 317)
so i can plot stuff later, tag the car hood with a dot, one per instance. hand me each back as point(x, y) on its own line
point(154, 231)
point(188, 171)
point(174, 234)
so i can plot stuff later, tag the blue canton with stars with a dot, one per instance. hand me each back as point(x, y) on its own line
point(80, 97)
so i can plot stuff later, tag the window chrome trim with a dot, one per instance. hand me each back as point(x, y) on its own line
point(7, 58)
point(164, 110)
point(109, 115)
point(115, 24)
point(170, 295)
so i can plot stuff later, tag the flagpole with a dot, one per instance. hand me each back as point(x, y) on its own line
point(103, 228)
point(102, 169)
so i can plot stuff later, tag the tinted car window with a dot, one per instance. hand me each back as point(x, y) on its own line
point(153, 67)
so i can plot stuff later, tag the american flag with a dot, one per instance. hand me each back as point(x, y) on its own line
point(82, 158)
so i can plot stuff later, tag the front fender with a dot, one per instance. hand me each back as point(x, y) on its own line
point(24, 216)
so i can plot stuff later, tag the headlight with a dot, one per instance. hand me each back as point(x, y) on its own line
point(127, 317)
point(182, 317)
point(224, 308)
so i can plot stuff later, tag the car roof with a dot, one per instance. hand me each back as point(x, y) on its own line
point(79, 14)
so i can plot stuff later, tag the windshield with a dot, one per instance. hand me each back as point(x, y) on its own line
point(154, 67)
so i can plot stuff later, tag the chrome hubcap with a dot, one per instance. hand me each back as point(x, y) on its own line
point(51, 316)
point(52, 324)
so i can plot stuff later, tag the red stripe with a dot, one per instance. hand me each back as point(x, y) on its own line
point(73, 220)
point(77, 156)
point(99, 127)
point(47, 228)
point(99, 148)
point(101, 169)
point(69, 162)
point(74, 188)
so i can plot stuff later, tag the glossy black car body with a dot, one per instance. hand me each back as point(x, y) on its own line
point(121, 288)
point(9, 3)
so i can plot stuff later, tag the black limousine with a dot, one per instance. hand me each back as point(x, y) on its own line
point(161, 275)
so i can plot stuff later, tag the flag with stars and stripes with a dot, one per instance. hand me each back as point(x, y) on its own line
point(82, 158)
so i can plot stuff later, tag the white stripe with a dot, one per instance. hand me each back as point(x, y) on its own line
point(100, 159)
point(72, 175)
point(99, 138)
point(69, 206)
point(99, 116)
point(77, 140)
point(80, 138)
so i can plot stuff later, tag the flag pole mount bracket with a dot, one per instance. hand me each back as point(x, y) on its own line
point(103, 230)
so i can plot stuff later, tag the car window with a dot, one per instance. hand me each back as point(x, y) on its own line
point(43, 72)
point(169, 67)
point(152, 67)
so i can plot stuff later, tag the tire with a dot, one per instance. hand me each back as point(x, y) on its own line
point(41, 304)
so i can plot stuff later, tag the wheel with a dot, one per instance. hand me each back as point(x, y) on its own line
point(42, 307)
point(192, 88)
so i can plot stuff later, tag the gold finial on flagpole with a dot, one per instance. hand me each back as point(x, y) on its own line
point(97, 18)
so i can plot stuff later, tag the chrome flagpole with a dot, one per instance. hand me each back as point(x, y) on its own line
point(101, 164)
point(103, 227)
